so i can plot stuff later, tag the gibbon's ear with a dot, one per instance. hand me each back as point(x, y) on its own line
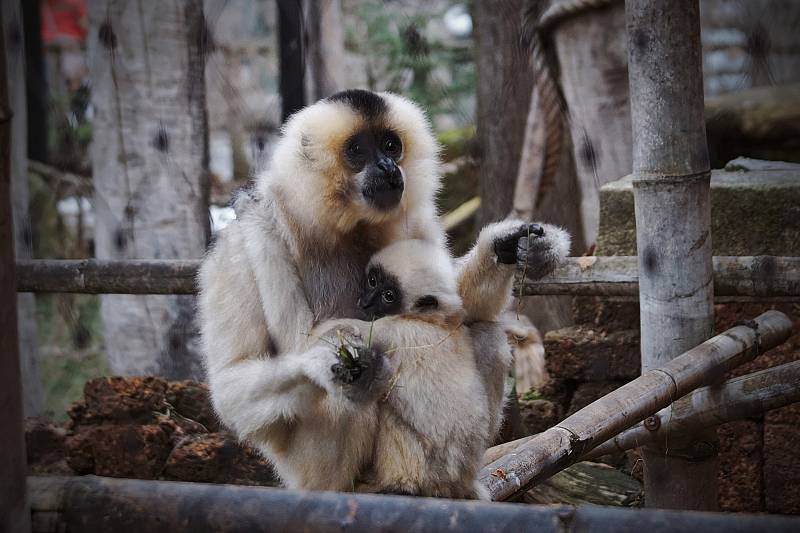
point(426, 303)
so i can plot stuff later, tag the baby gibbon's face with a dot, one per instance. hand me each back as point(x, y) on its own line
point(381, 295)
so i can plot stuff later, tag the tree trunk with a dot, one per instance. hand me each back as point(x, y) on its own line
point(595, 87)
point(504, 85)
point(14, 512)
point(292, 65)
point(673, 215)
point(324, 48)
point(26, 304)
point(149, 159)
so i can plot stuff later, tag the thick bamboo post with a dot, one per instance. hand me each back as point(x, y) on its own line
point(671, 195)
point(14, 514)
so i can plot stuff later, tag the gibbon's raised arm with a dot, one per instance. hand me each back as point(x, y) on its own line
point(486, 273)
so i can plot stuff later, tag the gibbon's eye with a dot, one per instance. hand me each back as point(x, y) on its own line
point(392, 147)
point(371, 281)
point(388, 296)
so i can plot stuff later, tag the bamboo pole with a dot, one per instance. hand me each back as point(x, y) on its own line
point(753, 277)
point(742, 397)
point(14, 514)
point(97, 504)
point(673, 219)
point(564, 444)
point(735, 278)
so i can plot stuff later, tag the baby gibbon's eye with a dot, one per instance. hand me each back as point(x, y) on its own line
point(388, 296)
point(372, 281)
point(355, 149)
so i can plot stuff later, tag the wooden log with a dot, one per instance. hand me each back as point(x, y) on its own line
point(738, 278)
point(14, 515)
point(754, 277)
point(564, 444)
point(671, 190)
point(101, 505)
point(742, 397)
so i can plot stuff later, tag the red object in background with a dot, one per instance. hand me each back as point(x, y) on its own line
point(63, 20)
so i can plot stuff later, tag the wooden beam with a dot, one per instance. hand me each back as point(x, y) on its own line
point(743, 397)
point(740, 278)
point(100, 505)
point(564, 444)
point(14, 514)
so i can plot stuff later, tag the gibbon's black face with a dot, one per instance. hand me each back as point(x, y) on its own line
point(374, 150)
point(381, 295)
point(375, 153)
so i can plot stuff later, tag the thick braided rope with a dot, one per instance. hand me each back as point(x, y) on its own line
point(550, 101)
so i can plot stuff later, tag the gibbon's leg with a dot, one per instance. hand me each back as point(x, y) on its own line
point(486, 272)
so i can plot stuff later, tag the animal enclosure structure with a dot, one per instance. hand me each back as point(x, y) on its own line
point(661, 54)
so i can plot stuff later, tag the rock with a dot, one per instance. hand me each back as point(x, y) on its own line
point(605, 314)
point(781, 466)
point(538, 415)
point(217, 458)
point(740, 458)
point(44, 444)
point(120, 399)
point(588, 482)
point(767, 197)
point(590, 391)
point(130, 451)
point(192, 402)
point(582, 354)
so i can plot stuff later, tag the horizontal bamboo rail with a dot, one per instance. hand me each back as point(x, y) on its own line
point(742, 397)
point(747, 277)
point(742, 278)
point(102, 505)
point(566, 443)
point(738, 398)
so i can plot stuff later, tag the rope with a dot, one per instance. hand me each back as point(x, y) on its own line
point(551, 103)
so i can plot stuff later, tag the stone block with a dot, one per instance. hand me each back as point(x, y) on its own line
point(582, 354)
point(781, 468)
point(740, 464)
point(755, 210)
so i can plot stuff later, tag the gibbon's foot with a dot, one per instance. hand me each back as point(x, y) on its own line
point(362, 372)
point(506, 247)
point(540, 255)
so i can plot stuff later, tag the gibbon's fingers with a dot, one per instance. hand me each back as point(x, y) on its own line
point(363, 378)
point(540, 255)
point(506, 247)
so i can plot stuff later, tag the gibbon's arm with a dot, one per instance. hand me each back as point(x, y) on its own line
point(258, 371)
point(485, 274)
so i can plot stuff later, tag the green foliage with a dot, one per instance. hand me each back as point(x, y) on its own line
point(531, 395)
point(402, 57)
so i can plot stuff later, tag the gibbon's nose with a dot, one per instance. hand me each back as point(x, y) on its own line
point(384, 185)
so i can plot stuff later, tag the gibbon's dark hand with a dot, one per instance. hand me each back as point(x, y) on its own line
point(365, 378)
point(507, 247)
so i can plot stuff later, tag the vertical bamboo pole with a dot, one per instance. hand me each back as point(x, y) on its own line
point(671, 194)
point(14, 514)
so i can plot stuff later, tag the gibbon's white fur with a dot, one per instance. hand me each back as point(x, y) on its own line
point(430, 412)
point(296, 257)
